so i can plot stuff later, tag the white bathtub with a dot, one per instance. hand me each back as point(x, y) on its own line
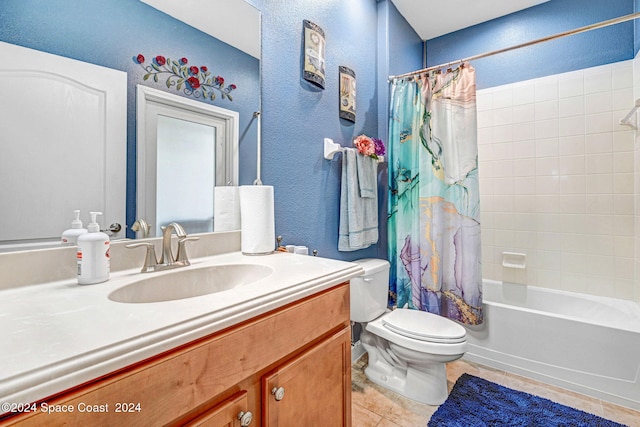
point(579, 342)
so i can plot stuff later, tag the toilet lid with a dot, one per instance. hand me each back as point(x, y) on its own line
point(424, 326)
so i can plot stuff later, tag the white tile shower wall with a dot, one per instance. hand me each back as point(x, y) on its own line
point(636, 159)
point(557, 181)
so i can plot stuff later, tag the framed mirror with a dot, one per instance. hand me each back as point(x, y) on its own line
point(111, 35)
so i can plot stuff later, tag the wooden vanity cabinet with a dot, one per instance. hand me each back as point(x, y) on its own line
point(288, 367)
point(292, 393)
point(230, 413)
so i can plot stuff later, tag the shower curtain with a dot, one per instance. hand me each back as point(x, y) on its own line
point(434, 207)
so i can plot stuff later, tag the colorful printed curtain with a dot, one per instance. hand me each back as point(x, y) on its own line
point(434, 202)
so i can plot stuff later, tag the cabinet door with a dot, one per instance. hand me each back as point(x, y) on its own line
point(313, 389)
point(232, 412)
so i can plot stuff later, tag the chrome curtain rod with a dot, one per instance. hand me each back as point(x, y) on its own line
point(519, 46)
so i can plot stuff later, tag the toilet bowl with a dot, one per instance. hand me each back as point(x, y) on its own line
point(407, 348)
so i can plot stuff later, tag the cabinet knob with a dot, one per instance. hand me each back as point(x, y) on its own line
point(278, 393)
point(245, 418)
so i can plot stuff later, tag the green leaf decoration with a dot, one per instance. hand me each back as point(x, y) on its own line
point(169, 82)
point(155, 78)
point(155, 67)
point(146, 76)
point(174, 69)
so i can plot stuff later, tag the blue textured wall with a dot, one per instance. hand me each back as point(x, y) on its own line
point(400, 51)
point(111, 33)
point(297, 116)
point(597, 47)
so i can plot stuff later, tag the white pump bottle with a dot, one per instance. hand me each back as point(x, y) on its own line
point(93, 254)
point(70, 236)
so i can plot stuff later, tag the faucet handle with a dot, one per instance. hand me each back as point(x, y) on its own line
point(150, 260)
point(182, 249)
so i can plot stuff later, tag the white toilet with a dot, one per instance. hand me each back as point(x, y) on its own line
point(407, 348)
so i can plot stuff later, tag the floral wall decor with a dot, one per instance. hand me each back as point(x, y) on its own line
point(347, 94)
point(190, 79)
point(314, 46)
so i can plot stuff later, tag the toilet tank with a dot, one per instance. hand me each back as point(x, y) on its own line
point(369, 291)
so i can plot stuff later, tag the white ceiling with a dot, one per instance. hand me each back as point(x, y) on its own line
point(433, 18)
point(429, 18)
point(235, 22)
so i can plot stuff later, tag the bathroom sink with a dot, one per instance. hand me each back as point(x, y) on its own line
point(189, 283)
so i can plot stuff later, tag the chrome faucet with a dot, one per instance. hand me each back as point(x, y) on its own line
point(167, 259)
point(142, 227)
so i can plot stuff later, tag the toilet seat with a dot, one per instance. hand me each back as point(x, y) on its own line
point(403, 336)
point(424, 326)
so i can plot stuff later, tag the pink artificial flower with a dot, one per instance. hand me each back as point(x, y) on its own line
point(194, 70)
point(204, 69)
point(140, 58)
point(232, 87)
point(183, 61)
point(365, 145)
point(219, 80)
point(161, 60)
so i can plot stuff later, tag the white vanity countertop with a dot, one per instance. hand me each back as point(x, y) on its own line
point(59, 335)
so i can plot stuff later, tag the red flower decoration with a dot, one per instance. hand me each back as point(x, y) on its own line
point(194, 82)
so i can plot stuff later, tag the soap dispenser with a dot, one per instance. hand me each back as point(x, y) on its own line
point(70, 236)
point(93, 254)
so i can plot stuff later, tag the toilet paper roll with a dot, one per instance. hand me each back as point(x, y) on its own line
point(226, 208)
point(258, 234)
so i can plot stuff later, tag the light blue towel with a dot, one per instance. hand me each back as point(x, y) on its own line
point(367, 176)
point(358, 215)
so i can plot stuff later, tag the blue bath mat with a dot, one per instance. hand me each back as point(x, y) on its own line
point(475, 402)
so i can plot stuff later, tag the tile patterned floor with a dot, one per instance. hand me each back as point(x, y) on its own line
point(374, 406)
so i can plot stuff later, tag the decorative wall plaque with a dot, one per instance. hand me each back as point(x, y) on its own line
point(314, 46)
point(347, 94)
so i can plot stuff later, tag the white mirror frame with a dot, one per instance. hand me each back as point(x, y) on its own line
point(146, 189)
